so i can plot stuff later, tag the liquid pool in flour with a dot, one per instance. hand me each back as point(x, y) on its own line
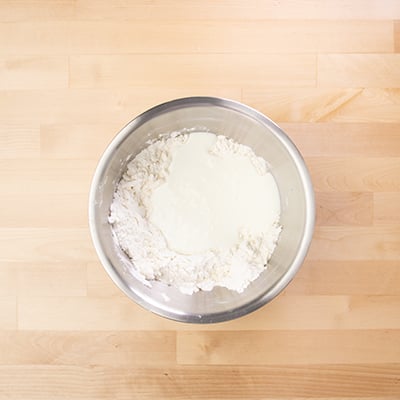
point(197, 210)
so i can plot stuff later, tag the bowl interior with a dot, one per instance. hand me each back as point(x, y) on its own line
point(248, 127)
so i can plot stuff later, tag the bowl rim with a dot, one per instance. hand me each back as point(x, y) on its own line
point(300, 166)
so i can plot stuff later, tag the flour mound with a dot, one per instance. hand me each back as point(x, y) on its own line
point(146, 246)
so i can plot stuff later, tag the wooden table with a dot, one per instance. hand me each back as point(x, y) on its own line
point(72, 73)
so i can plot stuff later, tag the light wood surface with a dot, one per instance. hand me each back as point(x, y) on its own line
point(73, 72)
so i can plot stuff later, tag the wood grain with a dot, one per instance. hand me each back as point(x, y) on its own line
point(361, 174)
point(45, 245)
point(74, 72)
point(80, 141)
point(8, 280)
point(33, 72)
point(387, 208)
point(51, 279)
point(366, 277)
point(396, 34)
point(8, 312)
point(349, 105)
point(46, 177)
point(87, 37)
point(344, 70)
point(369, 105)
point(285, 313)
point(355, 243)
point(92, 348)
point(330, 139)
point(203, 382)
point(26, 10)
point(236, 10)
point(299, 104)
point(19, 140)
point(49, 209)
point(344, 208)
point(283, 347)
point(142, 70)
point(119, 105)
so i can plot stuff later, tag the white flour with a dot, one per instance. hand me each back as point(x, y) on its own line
point(197, 211)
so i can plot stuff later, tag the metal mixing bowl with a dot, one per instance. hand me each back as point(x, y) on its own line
point(246, 126)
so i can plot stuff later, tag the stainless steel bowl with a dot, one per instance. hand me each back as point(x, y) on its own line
point(246, 126)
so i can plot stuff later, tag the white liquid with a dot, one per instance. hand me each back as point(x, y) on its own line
point(207, 199)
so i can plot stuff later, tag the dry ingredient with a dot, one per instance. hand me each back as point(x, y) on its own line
point(197, 210)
